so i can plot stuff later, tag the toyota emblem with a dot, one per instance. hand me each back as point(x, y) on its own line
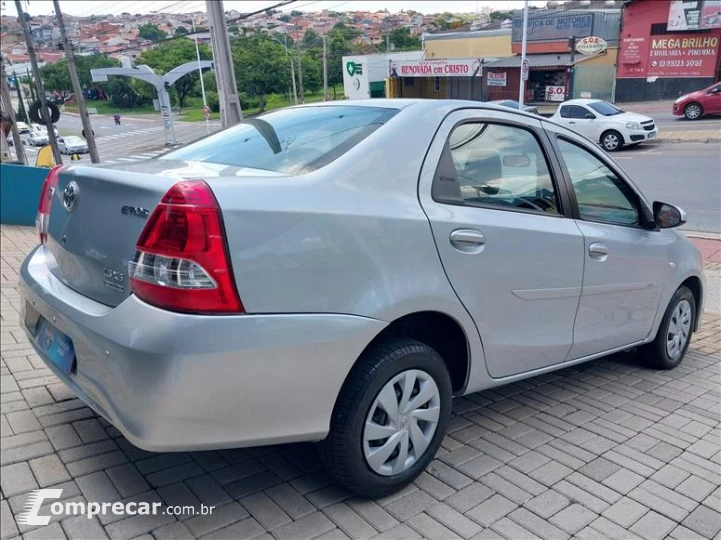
point(70, 194)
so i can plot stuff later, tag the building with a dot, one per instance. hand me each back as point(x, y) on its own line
point(365, 76)
point(668, 48)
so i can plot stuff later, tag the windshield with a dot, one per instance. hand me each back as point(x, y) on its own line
point(293, 141)
point(73, 140)
point(604, 108)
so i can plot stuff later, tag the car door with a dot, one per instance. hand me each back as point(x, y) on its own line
point(712, 103)
point(61, 145)
point(513, 258)
point(626, 258)
point(581, 120)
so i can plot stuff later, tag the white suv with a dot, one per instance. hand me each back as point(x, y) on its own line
point(604, 123)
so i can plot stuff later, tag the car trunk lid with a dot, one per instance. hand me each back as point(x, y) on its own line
point(93, 236)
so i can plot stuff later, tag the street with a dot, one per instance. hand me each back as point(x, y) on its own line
point(684, 174)
point(135, 139)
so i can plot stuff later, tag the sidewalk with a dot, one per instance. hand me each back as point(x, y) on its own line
point(606, 449)
point(710, 248)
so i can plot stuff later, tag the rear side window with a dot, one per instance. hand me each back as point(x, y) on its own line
point(293, 141)
point(496, 166)
point(573, 111)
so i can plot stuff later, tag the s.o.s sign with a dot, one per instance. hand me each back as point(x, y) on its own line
point(591, 45)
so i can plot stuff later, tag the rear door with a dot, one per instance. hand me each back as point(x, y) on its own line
point(513, 258)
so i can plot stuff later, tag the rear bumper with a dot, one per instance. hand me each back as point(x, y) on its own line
point(172, 382)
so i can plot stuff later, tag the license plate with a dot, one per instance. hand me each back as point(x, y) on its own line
point(651, 135)
point(56, 345)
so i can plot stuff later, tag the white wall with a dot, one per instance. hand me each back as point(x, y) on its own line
point(374, 68)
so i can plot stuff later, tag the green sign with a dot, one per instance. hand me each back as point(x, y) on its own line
point(354, 69)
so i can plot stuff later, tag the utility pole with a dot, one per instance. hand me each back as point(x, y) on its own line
point(230, 113)
point(45, 111)
point(200, 73)
point(572, 69)
point(8, 107)
point(79, 98)
point(325, 70)
point(300, 71)
point(522, 86)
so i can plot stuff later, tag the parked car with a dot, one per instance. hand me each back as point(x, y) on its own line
point(700, 103)
point(24, 132)
point(38, 137)
point(515, 105)
point(604, 123)
point(72, 145)
point(337, 272)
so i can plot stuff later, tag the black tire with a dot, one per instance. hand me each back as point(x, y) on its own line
point(656, 354)
point(36, 116)
point(611, 140)
point(342, 451)
point(693, 111)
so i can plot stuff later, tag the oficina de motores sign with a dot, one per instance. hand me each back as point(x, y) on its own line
point(552, 27)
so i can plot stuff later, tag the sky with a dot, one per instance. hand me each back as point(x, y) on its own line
point(101, 7)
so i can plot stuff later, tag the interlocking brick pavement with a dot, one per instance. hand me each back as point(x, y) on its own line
point(607, 449)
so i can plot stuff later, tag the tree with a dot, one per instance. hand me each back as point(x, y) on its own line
point(296, 13)
point(56, 77)
point(339, 44)
point(122, 94)
point(403, 40)
point(180, 30)
point(311, 40)
point(500, 15)
point(284, 18)
point(260, 65)
point(171, 54)
point(313, 71)
point(151, 32)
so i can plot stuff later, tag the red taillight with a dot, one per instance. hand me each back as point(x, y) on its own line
point(181, 262)
point(46, 200)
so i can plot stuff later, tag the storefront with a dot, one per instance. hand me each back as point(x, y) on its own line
point(668, 48)
point(449, 78)
point(365, 76)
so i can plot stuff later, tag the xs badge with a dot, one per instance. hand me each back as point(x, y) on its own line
point(134, 211)
point(113, 279)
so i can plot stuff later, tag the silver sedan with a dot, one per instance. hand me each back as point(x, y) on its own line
point(337, 272)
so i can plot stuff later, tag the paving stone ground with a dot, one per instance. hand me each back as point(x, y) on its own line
point(608, 449)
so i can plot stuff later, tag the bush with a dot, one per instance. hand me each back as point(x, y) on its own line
point(213, 101)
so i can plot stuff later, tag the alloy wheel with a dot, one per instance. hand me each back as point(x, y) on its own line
point(692, 111)
point(610, 141)
point(401, 422)
point(679, 328)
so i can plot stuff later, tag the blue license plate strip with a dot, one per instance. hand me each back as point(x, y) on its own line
point(56, 345)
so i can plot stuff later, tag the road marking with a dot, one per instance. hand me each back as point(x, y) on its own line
point(125, 159)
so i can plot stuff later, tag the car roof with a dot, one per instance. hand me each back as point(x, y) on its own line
point(584, 101)
point(446, 105)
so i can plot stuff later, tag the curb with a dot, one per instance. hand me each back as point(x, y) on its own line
point(706, 140)
point(702, 235)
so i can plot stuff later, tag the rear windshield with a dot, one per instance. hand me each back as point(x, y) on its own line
point(293, 141)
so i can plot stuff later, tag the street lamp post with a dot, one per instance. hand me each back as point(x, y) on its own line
point(292, 67)
point(202, 83)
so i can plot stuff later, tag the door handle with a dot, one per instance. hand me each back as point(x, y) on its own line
point(572, 122)
point(468, 240)
point(598, 251)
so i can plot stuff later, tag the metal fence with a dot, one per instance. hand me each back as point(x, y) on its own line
point(598, 82)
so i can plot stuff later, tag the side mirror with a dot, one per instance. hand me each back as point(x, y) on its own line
point(589, 116)
point(667, 216)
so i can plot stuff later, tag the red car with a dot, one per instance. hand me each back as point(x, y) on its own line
point(697, 104)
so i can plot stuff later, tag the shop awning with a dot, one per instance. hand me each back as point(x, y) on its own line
point(537, 61)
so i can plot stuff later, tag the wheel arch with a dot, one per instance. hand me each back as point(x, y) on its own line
point(609, 130)
point(696, 287)
point(699, 105)
point(439, 331)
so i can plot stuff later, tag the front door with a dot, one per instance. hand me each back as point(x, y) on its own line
point(712, 104)
point(579, 119)
point(513, 259)
point(626, 263)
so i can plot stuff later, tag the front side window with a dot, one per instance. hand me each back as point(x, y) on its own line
point(293, 141)
point(495, 165)
point(601, 194)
